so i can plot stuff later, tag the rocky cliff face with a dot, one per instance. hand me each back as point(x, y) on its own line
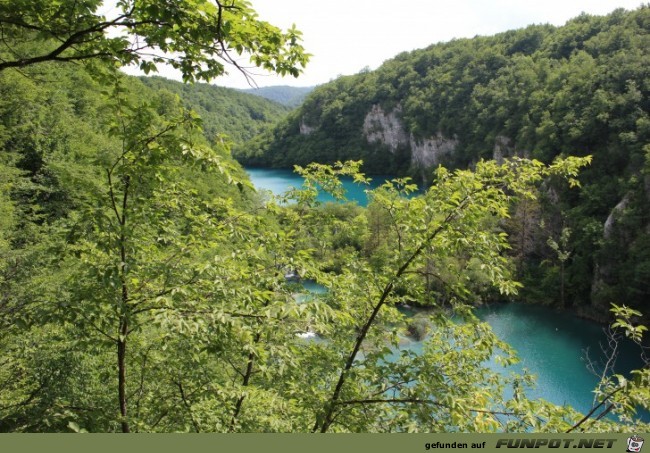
point(602, 270)
point(305, 129)
point(388, 129)
point(616, 212)
point(504, 148)
point(429, 152)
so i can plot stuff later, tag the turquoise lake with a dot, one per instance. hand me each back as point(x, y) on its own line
point(279, 181)
point(554, 347)
point(551, 345)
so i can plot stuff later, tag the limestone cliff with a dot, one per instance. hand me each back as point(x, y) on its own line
point(385, 128)
point(388, 129)
point(305, 129)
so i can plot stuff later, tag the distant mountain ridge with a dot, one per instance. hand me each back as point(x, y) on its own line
point(282, 94)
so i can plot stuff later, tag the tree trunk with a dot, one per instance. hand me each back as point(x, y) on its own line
point(121, 366)
point(245, 382)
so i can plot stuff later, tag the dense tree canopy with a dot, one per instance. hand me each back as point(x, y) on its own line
point(226, 114)
point(146, 287)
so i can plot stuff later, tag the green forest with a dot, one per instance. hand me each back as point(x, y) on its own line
point(226, 114)
point(539, 92)
point(145, 286)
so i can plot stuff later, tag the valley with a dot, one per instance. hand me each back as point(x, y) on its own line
point(501, 186)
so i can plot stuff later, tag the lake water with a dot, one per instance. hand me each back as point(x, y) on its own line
point(554, 347)
point(279, 181)
point(551, 345)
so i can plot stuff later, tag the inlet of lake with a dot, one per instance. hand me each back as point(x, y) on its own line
point(551, 345)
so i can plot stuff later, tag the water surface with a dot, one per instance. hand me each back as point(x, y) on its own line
point(281, 180)
point(555, 347)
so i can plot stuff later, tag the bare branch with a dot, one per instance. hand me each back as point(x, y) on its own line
point(187, 405)
point(594, 409)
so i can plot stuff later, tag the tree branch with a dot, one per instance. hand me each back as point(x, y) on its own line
point(594, 409)
point(179, 384)
point(327, 420)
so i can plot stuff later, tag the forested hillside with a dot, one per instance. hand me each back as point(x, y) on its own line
point(224, 111)
point(146, 287)
point(540, 92)
point(86, 163)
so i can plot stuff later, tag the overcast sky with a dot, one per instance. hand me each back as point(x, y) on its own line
point(345, 36)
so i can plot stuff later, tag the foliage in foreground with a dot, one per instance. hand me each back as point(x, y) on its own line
point(161, 307)
point(143, 285)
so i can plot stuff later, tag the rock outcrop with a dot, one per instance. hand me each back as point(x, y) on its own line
point(388, 129)
point(305, 129)
point(429, 152)
point(502, 148)
point(385, 128)
point(611, 219)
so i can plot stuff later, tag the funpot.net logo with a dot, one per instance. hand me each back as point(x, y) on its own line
point(634, 444)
